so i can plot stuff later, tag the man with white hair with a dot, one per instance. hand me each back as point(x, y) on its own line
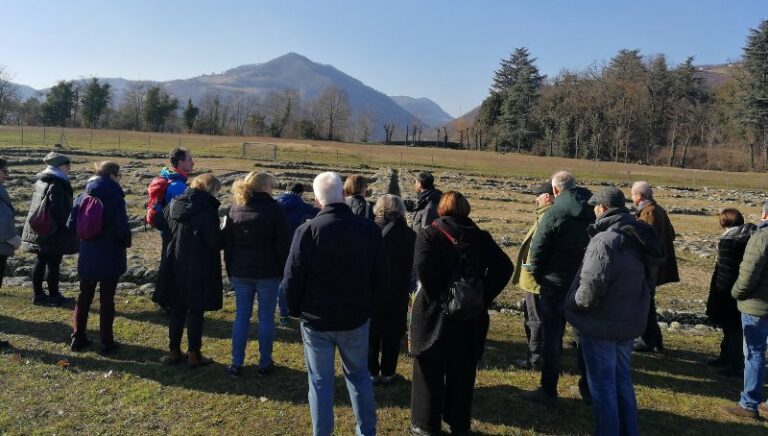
point(651, 213)
point(554, 257)
point(336, 267)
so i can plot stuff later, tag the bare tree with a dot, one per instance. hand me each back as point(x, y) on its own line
point(334, 106)
point(134, 96)
point(280, 108)
point(8, 94)
point(241, 107)
point(389, 129)
point(365, 126)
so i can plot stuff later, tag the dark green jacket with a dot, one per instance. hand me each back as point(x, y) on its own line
point(558, 246)
point(751, 288)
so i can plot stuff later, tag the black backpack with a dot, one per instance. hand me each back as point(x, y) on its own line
point(465, 299)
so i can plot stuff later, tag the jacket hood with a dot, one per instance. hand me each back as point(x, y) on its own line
point(102, 187)
point(259, 197)
point(740, 233)
point(172, 174)
point(463, 229)
point(191, 203)
point(50, 174)
point(636, 234)
point(574, 203)
point(428, 196)
point(540, 210)
point(289, 200)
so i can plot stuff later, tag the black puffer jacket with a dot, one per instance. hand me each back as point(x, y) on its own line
point(721, 306)
point(391, 307)
point(360, 206)
point(425, 209)
point(190, 272)
point(256, 239)
point(435, 258)
point(63, 240)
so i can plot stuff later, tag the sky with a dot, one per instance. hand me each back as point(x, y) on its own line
point(445, 50)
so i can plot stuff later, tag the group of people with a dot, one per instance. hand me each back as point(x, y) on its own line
point(359, 276)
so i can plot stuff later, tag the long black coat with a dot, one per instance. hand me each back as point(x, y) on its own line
point(434, 260)
point(721, 306)
point(256, 239)
point(62, 240)
point(190, 272)
point(391, 306)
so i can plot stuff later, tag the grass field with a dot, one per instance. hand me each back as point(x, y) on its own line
point(45, 389)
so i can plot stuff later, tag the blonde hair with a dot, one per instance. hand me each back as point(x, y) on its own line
point(389, 206)
point(355, 184)
point(243, 189)
point(206, 182)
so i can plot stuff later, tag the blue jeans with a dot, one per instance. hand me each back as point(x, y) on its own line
point(755, 335)
point(245, 291)
point(609, 374)
point(319, 352)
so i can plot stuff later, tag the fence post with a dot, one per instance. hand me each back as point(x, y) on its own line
point(45, 142)
point(119, 148)
point(210, 146)
point(337, 155)
point(22, 135)
point(305, 153)
point(149, 140)
point(90, 141)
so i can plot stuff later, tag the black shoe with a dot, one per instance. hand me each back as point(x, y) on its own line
point(80, 344)
point(267, 369)
point(418, 431)
point(234, 370)
point(642, 347)
point(40, 300)
point(59, 300)
point(109, 348)
point(5, 344)
point(526, 364)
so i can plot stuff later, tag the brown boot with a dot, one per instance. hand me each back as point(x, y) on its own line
point(174, 357)
point(196, 359)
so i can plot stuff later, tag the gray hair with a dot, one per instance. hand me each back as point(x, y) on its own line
point(388, 205)
point(563, 181)
point(328, 188)
point(642, 188)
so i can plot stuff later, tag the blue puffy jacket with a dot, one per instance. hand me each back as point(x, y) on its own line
point(296, 210)
point(177, 185)
point(104, 258)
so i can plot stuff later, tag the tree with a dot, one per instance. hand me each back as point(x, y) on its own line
point(59, 102)
point(8, 95)
point(190, 115)
point(659, 87)
point(280, 109)
point(133, 108)
point(241, 107)
point(365, 126)
point(688, 96)
point(211, 115)
point(625, 79)
point(333, 104)
point(158, 106)
point(257, 123)
point(389, 129)
point(754, 100)
point(95, 100)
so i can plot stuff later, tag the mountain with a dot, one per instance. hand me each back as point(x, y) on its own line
point(24, 91)
point(295, 72)
point(425, 109)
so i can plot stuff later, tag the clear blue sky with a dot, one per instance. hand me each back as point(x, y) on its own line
point(442, 49)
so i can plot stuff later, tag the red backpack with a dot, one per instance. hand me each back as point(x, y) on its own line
point(156, 193)
point(90, 217)
point(40, 219)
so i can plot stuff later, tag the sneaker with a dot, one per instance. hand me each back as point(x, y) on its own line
point(418, 431)
point(174, 357)
point(109, 348)
point(78, 344)
point(266, 369)
point(195, 359)
point(738, 411)
point(40, 300)
point(526, 365)
point(59, 300)
point(234, 370)
point(538, 396)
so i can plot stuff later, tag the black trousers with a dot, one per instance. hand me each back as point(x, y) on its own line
point(3, 263)
point(389, 347)
point(194, 321)
point(48, 267)
point(652, 336)
point(552, 330)
point(731, 347)
point(533, 327)
point(444, 381)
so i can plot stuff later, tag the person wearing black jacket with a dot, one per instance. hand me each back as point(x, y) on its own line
point(355, 190)
point(335, 270)
point(256, 243)
point(721, 306)
point(424, 209)
point(388, 323)
point(190, 273)
point(54, 187)
point(446, 350)
point(102, 259)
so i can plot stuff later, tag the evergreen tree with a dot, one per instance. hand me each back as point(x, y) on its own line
point(754, 101)
point(95, 100)
point(59, 102)
point(190, 115)
point(158, 106)
point(521, 80)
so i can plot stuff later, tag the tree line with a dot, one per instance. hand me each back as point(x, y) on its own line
point(633, 108)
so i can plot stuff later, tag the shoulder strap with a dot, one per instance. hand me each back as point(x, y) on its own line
point(387, 228)
point(444, 232)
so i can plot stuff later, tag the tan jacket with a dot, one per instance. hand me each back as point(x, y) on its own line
point(657, 217)
point(521, 277)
